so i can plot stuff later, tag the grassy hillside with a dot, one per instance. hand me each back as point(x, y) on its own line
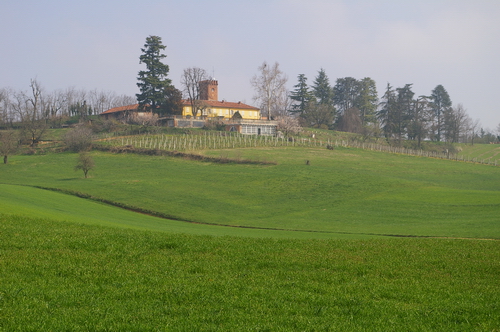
point(59, 276)
point(75, 264)
point(32, 202)
point(480, 151)
point(344, 190)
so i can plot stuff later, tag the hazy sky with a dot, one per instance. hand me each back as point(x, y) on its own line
point(95, 44)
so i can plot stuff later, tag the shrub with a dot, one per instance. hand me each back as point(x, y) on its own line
point(78, 139)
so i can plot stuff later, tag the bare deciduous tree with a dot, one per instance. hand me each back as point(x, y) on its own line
point(79, 139)
point(145, 119)
point(9, 142)
point(270, 87)
point(418, 122)
point(350, 121)
point(288, 125)
point(455, 123)
point(4, 106)
point(473, 129)
point(190, 80)
point(282, 106)
point(31, 111)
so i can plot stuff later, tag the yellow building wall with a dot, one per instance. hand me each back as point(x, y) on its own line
point(225, 112)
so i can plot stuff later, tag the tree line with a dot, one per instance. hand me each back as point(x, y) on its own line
point(37, 109)
point(353, 105)
point(350, 105)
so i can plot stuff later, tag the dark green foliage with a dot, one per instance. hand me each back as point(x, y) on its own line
point(387, 110)
point(172, 102)
point(395, 112)
point(322, 90)
point(319, 111)
point(367, 100)
point(440, 103)
point(356, 103)
point(404, 106)
point(345, 93)
point(80, 109)
point(318, 115)
point(157, 93)
point(352, 102)
point(301, 96)
point(418, 120)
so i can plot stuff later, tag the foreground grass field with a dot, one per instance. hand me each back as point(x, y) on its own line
point(60, 276)
point(341, 191)
point(318, 257)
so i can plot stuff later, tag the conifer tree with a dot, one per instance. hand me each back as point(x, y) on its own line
point(367, 100)
point(301, 95)
point(440, 103)
point(156, 90)
point(322, 90)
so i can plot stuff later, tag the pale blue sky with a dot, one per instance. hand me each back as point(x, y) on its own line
point(96, 44)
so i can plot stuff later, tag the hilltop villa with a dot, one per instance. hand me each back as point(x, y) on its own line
point(236, 116)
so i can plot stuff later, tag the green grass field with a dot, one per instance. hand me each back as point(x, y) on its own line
point(60, 276)
point(340, 191)
point(319, 253)
point(39, 203)
point(481, 151)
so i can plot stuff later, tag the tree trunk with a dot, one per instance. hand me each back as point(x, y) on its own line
point(5, 159)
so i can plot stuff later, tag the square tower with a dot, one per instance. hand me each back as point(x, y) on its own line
point(209, 90)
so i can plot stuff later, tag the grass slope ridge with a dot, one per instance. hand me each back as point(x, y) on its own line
point(71, 212)
point(340, 191)
point(25, 201)
point(63, 276)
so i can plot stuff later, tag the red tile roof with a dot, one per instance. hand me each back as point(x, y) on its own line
point(122, 109)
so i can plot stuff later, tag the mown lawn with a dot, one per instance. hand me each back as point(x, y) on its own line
point(345, 190)
point(60, 276)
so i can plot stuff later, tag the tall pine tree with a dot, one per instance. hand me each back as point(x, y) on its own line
point(386, 112)
point(157, 93)
point(367, 100)
point(345, 91)
point(301, 96)
point(322, 90)
point(440, 103)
